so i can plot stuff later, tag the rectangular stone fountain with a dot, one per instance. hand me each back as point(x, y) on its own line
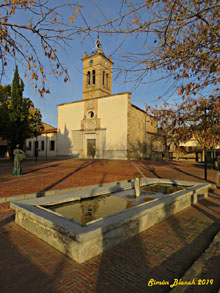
point(85, 223)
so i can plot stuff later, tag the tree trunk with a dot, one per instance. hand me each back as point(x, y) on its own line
point(205, 165)
point(177, 153)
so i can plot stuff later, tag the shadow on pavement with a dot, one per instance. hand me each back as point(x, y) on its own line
point(192, 175)
point(82, 166)
point(38, 169)
point(17, 271)
point(163, 252)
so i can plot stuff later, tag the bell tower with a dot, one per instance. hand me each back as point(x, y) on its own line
point(97, 73)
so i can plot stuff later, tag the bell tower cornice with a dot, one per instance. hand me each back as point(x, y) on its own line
point(85, 56)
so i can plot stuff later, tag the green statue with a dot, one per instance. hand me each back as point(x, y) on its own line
point(19, 155)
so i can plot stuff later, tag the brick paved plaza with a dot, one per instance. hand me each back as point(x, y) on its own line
point(163, 252)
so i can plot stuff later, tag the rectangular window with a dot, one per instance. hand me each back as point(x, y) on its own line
point(106, 80)
point(52, 145)
point(103, 78)
point(42, 145)
point(93, 77)
point(88, 78)
point(29, 146)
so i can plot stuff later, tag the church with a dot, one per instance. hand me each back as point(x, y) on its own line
point(102, 124)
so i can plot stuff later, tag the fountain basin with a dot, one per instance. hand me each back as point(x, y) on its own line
point(82, 241)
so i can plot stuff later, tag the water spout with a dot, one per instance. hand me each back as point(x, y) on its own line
point(137, 190)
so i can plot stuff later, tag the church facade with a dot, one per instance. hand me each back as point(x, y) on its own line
point(102, 125)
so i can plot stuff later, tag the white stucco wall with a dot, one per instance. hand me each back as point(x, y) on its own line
point(69, 118)
point(113, 112)
point(192, 142)
point(111, 134)
point(46, 152)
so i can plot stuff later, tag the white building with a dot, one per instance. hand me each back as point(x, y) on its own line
point(101, 124)
point(45, 144)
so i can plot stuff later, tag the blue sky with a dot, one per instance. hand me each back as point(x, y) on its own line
point(61, 92)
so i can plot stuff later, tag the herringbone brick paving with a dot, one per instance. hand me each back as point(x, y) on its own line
point(49, 175)
point(163, 252)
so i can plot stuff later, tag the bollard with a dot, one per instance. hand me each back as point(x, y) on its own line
point(218, 173)
point(217, 179)
point(137, 190)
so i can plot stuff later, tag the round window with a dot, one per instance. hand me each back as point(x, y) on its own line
point(91, 114)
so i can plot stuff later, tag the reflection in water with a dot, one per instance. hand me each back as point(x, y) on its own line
point(91, 209)
point(162, 188)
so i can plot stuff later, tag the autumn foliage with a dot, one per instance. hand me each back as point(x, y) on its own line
point(34, 41)
point(178, 39)
point(197, 118)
